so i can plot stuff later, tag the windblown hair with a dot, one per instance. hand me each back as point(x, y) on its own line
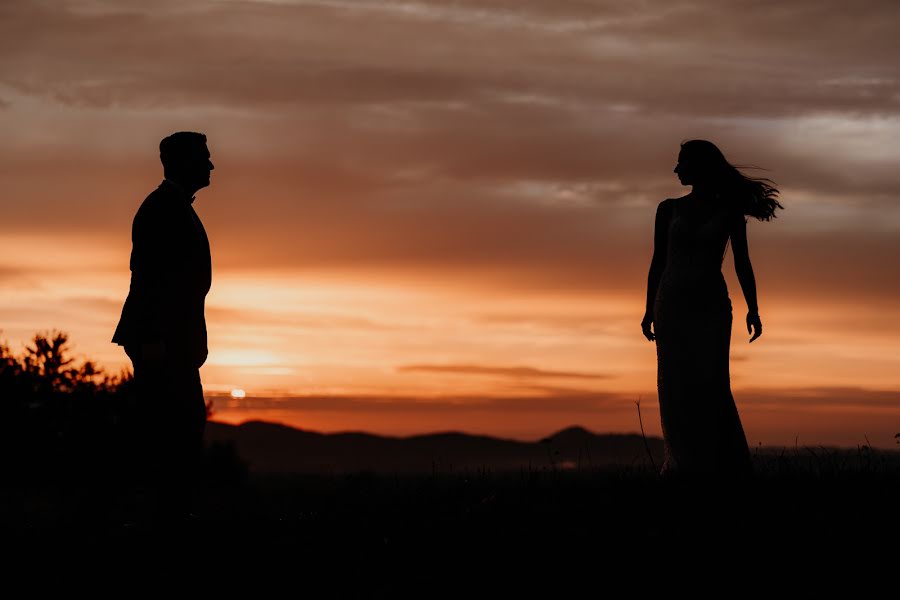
point(755, 197)
point(180, 144)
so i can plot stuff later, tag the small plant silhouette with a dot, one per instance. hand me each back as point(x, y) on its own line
point(646, 445)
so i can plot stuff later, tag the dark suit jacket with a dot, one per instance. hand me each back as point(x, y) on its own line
point(171, 273)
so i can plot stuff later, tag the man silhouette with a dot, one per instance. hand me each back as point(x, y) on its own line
point(163, 327)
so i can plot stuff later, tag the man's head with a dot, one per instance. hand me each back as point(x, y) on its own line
point(185, 159)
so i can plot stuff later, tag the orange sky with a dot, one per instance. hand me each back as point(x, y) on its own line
point(427, 216)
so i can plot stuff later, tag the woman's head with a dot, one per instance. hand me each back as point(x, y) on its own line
point(701, 163)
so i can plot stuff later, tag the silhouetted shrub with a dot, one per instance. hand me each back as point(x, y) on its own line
point(60, 417)
point(67, 421)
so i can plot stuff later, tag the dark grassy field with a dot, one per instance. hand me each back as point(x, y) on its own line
point(542, 532)
point(796, 499)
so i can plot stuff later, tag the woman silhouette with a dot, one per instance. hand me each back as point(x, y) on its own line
point(690, 311)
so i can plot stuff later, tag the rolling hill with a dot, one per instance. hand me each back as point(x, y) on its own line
point(274, 448)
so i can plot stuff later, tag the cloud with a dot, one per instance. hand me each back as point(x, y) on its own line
point(12, 273)
point(476, 116)
point(572, 401)
point(98, 303)
point(820, 398)
point(294, 321)
point(562, 400)
point(513, 372)
point(750, 59)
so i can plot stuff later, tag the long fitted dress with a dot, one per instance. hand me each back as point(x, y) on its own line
point(692, 325)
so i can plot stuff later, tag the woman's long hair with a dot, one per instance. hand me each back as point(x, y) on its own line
point(755, 197)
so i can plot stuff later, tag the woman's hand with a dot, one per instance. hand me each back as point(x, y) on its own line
point(754, 322)
point(645, 327)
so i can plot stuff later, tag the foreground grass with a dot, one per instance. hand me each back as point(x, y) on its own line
point(795, 497)
point(484, 534)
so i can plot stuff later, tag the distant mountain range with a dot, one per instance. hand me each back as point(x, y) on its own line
point(273, 448)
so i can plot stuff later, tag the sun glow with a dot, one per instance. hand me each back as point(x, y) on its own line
point(238, 394)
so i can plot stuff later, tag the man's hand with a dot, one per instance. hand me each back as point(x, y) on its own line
point(154, 354)
point(645, 327)
point(754, 322)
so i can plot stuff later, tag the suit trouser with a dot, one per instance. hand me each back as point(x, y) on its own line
point(172, 422)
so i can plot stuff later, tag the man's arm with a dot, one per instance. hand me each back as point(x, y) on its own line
point(152, 270)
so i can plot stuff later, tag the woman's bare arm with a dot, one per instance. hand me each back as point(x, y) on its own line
point(744, 270)
point(657, 264)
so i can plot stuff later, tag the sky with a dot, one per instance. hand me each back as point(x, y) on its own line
point(432, 216)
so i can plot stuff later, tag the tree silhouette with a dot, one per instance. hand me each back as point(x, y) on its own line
point(65, 421)
point(48, 366)
point(45, 361)
point(55, 410)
